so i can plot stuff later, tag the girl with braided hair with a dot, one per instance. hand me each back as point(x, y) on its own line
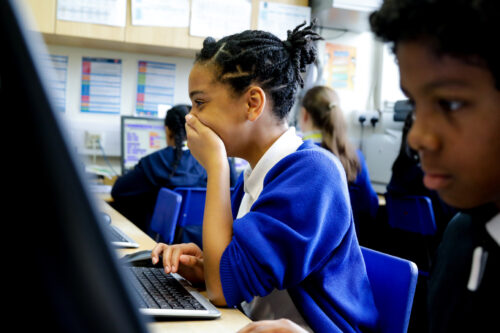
point(284, 246)
point(134, 193)
point(321, 120)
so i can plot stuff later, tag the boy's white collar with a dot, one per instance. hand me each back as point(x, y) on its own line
point(493, 228)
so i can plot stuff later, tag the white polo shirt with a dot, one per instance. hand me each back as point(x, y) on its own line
point(479, 255)
point(286, 144)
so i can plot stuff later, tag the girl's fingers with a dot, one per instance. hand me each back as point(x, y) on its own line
point(172, 253)
point(189, 253)
point(192, 122)
point(188, 260)
point(176, 253)
point(156, 252)
point(167, 259)
point(191, 249)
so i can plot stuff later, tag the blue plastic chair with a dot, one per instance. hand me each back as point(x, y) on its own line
point(410, 213)
point(414, 214)
point(192, 206)
point(190, 219)
point(393, 282)
point(165, 215)
point(191, 214)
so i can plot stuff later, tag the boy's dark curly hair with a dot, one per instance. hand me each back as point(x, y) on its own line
point(465, 29)
point(259, 57)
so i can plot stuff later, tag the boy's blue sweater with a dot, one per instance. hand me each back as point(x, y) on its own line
point(299, 235)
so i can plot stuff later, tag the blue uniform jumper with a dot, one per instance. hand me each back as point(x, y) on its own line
point(299, 235)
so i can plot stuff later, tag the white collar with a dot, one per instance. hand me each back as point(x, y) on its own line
point(286, 144)
point(493, 228)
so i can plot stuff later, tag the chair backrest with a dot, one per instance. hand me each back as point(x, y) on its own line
point(410, 213)
point(166, 214)
point(393, 282)
point(193, 205)
point(190, 222)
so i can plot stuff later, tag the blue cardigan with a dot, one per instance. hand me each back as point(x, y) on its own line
point(299, 235)
point(364, 199)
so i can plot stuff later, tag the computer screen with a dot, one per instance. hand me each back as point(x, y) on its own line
point(140, 136)
point(62, 274)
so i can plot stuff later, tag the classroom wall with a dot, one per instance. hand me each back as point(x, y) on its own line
point(108, 126)
point(381, 143)
point(391, 90)
point(376, 87)
point(360, 99)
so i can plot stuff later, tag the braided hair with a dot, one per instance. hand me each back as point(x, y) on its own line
point(175, 121)
point(259, 57)
point(321, 102)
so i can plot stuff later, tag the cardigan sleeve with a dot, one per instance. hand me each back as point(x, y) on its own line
point(364, 199)
point(299, 219)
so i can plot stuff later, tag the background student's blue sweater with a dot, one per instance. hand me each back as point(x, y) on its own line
point(134, 194)
point(299, 235)
point(364, 199)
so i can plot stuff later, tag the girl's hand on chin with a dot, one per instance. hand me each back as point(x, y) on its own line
point(205, 145)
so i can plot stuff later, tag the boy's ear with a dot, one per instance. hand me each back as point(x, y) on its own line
point(256, 101)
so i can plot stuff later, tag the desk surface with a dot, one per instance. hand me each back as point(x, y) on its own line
point(231, 320)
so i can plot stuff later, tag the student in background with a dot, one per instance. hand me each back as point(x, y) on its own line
point(450, 71)
point(134, 194)
point(285, 245)
point(321, 119)
point(407, 179)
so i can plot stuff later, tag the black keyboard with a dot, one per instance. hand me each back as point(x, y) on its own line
point(158, 290)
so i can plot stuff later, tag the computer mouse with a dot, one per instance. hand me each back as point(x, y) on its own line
point(140, 259)
point(106, 218)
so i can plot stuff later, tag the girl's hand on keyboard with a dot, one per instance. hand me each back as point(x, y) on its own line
point(185, 259)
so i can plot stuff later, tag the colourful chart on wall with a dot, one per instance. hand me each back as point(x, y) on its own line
point(340, 66)
point(101, 85)
point(155, 88)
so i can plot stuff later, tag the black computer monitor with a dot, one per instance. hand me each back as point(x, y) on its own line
point(60, 273)
point(140, 136)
